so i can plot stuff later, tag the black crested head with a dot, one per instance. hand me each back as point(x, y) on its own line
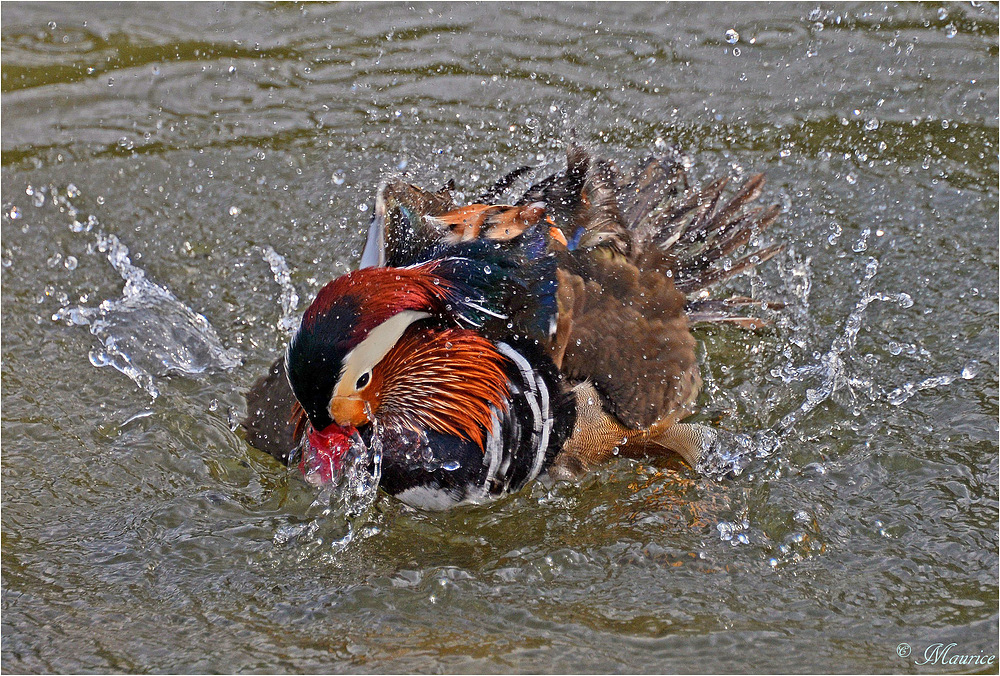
point(316, 354)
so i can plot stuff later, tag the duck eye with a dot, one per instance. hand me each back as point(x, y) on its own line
point(363, 380)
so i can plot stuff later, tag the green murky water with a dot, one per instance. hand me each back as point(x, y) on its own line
point(141, 533)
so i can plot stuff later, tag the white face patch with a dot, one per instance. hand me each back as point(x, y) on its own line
point(360, 361)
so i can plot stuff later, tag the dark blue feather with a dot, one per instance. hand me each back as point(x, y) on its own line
point(508, 287)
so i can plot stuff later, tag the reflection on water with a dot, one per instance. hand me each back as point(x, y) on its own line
point(230, 153)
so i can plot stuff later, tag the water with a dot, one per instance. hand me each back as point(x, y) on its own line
point(147, 330)
point(229, 155)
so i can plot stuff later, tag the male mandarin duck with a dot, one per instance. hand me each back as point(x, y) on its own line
point(489, 343)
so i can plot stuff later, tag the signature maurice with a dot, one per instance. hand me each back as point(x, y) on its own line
point(945, 653)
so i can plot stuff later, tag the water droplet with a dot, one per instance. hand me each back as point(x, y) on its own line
point(52, 25)
point(871, 125)
point(232, 69)
point(862, 243)
point(72, 191)
point(98, 358)
point(234, 211)
point(54, 260)
point(14, 213)
point(70, 263)
point(451, 465)
point(801, 516)
point(970, 370)
point(363, 207)
point(900, 394)
point(732, 37)
point(736, 51)
point(213, 405)
point(950, 31)
point(338, 177)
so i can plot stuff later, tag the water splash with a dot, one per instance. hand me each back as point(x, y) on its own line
point(734, 532)
point(289, 296)
point(907, 390)
point(357, 486)
point(148, 332)
point(832, 368)
point(342, 508)
point(732, 452)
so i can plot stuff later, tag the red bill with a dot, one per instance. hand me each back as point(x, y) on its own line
point(323, 453)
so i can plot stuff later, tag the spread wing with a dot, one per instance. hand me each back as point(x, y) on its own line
point(642, 251)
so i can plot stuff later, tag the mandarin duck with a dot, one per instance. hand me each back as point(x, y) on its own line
point(487, 344)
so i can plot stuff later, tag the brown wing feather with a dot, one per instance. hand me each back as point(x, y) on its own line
point(631, 339)
point(423, 202)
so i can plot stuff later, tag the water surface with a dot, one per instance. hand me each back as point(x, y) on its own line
point(173, 176)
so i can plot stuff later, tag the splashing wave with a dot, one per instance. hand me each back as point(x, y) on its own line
point(148, 332)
